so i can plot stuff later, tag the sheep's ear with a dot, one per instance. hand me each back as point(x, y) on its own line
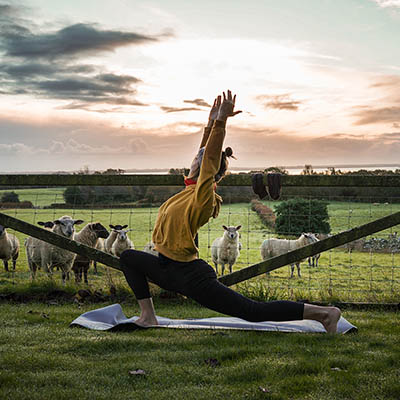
point(111, 226)
point(78, 221)
point(41, 223)
point(57, 222)
point(124, 226)
point(225, 227)
point(238, 227)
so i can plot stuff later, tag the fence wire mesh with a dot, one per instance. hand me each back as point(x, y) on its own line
point(364, 270)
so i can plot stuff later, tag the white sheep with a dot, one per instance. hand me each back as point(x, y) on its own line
point(49, 256)
point(9, 247)
point(89, 236)
point(121, 242)
point(112, 236)
point(274, 247)
point(32, 248)
point(149, 248)
point(226, 249)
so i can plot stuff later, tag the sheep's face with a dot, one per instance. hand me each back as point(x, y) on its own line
point(100, 230)
point(231, 232)
point(2, 230)
point(310, 238)
point(122, 235)
point(67, 225)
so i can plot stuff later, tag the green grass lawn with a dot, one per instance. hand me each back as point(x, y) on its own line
point(340, 275)
point(42, 358)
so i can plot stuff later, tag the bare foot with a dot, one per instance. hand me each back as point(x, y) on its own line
point(330, 320)
point(146, 322)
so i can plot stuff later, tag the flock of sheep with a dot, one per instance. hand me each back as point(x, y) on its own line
point(225, 250)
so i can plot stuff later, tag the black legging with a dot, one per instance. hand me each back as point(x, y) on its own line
point(197, 280)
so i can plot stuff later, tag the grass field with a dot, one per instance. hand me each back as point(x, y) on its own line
point(341, 275)
point(42, 358)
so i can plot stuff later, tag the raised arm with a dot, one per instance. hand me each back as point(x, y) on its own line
point(217, 134)
point(211, 118)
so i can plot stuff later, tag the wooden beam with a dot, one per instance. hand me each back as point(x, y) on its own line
point(177, 180)
point(60, 241)
point(311, 250)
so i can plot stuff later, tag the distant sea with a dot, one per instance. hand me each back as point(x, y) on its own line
point(292, 170)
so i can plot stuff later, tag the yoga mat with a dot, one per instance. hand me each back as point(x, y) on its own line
point(112, 318)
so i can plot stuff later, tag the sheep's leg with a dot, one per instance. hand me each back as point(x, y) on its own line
point(14, 260)
point(77, 280)
point(5, 262)
point(95, 267)
point(298, 269)
point(85, 271)
point(222, 269)
point(64, 276)
point(292, 270)
point(33, 268)
point(230, 268)
point(216, 268)
point(310, 261)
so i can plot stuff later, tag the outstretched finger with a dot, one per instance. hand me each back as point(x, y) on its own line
point(236, 112)
point(224, 96)
point(234, 99)
point(229, 95)
point(219, 100)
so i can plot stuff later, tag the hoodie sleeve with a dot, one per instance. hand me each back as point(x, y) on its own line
point(204, 193)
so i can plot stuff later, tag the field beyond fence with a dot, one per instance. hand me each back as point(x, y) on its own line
point(367, 270)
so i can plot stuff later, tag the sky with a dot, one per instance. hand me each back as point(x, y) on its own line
point(128, 84)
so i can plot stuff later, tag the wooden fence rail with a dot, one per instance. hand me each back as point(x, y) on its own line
point(177, 180)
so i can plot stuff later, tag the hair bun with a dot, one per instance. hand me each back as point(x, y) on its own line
point(229, 151)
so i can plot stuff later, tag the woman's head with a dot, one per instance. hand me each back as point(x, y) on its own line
point(223, 166)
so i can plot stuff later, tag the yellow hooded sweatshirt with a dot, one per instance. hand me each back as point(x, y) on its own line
point(182, 215)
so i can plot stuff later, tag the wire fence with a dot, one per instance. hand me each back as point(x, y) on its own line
point(367, 269)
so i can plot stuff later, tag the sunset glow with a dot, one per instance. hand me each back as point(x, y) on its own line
point(129, 84)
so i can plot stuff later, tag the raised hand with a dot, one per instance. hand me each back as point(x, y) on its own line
point(214, 111)
point(227, 106)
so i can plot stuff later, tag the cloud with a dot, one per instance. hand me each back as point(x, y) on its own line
point(279, 102)
point(49, 64)
point(388, 3)
point(71, 41)
point(177, 109)
point(369, 115)
point(198, 102)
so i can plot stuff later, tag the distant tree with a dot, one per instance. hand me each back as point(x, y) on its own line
point(308, 170)
point(276, 170)
point(112, 171)
point(179, 171)
point(10, 197)
point(298, 215)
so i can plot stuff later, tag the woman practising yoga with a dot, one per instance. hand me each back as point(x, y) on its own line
point(178, 268)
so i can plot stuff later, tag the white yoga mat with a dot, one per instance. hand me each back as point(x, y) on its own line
point(113, 318)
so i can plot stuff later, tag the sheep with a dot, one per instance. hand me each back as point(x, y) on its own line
point(274, 247)
point(33, 244)
point(47, 255)
point(9, 247)
point(226, 249)
point(149, 248)
point(121, 242)
point(112, 236)
point(89, 235)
